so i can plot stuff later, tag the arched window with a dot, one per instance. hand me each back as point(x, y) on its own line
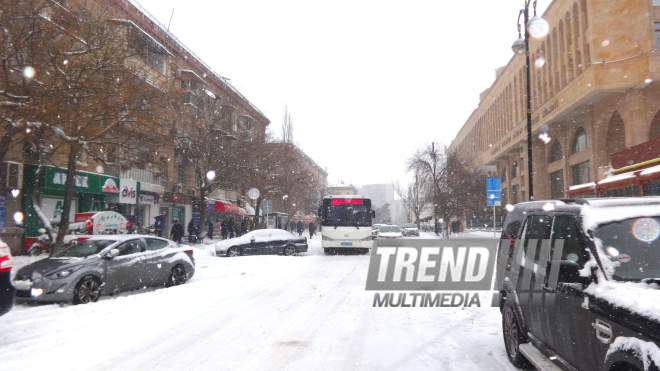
point(654, 130)
point(514, 170)
point(616, 134)
point(562, 53)
point(576, 35)
point(555, 152)
point(569, 47)
point(580, 141)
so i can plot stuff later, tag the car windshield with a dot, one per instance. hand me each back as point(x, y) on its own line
point(411, 226)
point(635, 247)
point(84, 249)
point(389, 228)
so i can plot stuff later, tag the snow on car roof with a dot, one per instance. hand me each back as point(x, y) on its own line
point(601, 211)
point(121, 237)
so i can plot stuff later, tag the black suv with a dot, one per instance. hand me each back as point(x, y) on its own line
point(578, 284)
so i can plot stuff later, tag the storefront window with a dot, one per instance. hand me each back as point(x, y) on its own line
point(557, 184)
point(581, 173)
point(651, 189)
point(632, 191)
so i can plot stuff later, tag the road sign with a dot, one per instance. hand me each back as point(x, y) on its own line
point(493, 192)
point(253, 193)
point(268, 207)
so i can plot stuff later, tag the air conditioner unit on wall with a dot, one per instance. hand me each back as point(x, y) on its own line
point(12, 176)
point(177, 188)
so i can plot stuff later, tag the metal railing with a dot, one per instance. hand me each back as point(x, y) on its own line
point(143, 176)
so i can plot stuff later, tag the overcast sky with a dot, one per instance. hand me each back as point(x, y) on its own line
point(366, 82)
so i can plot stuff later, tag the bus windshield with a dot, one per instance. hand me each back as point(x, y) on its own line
point(350, 212)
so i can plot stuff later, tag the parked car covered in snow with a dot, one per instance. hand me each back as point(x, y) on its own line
point(262, 242)
point(106, 264)
point(389, 231)
point(599, 308)
point(7, 290)
point(410, 229)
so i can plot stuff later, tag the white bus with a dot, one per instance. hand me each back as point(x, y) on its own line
point(346, 222)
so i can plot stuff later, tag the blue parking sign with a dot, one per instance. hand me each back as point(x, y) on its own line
point(493, 192)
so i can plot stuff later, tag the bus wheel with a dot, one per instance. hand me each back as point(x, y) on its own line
point(329, 251)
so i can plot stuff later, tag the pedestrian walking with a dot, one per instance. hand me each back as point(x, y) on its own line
point(312, 229)
point(292, 226)
point(251, 224)
point(231, 228)
point(210, 232)
point(191, 231)
point(244, 226)
point(177, 231)
point(223, 229)
point(301, 228)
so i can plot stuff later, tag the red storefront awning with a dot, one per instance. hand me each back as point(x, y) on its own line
point(225, 207)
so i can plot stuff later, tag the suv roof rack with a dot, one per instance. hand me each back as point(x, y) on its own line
point(577, 201)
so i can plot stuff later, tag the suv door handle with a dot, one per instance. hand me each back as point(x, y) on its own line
point(603, 331)
point(547, 289)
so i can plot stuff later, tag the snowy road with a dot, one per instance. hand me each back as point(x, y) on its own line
point(307, 312)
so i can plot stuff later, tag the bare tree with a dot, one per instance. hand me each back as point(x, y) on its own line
point(287, 126)
point(452, 185)
point(81, 80)
point(413, 196)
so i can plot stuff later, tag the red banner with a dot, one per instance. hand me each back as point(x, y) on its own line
point(225, 207)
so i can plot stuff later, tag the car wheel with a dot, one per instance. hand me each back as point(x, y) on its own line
point(178, 276)
point(513, 338)
point(290, 250)
point(88, 290)
point(233, 251)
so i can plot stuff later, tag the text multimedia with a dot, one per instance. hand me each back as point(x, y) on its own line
point(421, 300)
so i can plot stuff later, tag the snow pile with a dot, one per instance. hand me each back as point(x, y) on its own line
point(647, 351)
point(637, 297)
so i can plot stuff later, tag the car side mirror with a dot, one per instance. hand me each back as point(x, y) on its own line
point(569, 272)
point(252, 238)
point(111, 254)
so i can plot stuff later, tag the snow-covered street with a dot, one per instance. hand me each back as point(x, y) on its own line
point(306, 312)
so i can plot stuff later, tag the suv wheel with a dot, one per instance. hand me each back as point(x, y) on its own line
point(513, 338)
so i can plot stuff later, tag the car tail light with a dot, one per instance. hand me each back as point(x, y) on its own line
point(305, 239)
point(5, 263)
point(189, 252)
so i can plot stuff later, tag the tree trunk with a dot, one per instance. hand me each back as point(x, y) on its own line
point(5, 142)
point(68, 196)
point(256, 213)
point(202, 211)
point(35, 202)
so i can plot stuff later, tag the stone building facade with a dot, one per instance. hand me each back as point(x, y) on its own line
point(595, 89)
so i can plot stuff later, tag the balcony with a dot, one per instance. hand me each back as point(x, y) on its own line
point(142, 176)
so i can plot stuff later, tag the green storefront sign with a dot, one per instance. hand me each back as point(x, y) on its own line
point(90, 190)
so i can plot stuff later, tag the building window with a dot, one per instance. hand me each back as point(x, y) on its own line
point(514, 170)
point(555, 152)
point(505, 197)
point(515, 191)
point(632, 191)
point(581, 173)
point(580, 141)
point(557, 184)
point(182, 173)
point(504, 174)
point(657, 33)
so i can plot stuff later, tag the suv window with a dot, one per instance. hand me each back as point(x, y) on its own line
point(563, 228)
point(537, 227)
point(155, 244)
point(130, 247)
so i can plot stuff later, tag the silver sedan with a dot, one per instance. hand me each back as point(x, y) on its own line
point(104, 265)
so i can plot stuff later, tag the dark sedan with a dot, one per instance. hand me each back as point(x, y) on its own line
point(104, 265)
point(263, 242)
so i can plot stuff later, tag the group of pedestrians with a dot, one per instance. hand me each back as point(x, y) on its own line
point(450, 228)
point(300, 228)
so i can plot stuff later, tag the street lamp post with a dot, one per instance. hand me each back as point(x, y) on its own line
point(538, 28)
